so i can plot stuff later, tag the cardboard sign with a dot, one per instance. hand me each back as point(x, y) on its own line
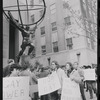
point(16, 88)
point(89, 74)
point(70, 90)
point(48, 84)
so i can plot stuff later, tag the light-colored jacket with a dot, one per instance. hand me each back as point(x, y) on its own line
point(61, 75)
point(77, 76)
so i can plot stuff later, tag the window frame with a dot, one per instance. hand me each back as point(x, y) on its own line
point(55, 48)
point(43, 50)
point(41, 30)
point(54, 27)
point(69, 45)
point(53, 8)
point(67, 21)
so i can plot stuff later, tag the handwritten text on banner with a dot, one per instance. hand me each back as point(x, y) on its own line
point(48, 84)
point(16, 88)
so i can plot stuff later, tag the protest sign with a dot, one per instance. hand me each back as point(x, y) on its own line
point(16, 88)
point(48, 84)
point(89, 74)
point(70, 90)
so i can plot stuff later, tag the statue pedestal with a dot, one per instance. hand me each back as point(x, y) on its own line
point(26, 58)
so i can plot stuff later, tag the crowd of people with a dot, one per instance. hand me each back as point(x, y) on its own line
point(36, 71)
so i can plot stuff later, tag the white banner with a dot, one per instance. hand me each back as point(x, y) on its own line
point(89, 74)
point(48, 84)
point(70, 90)
point(16, 88)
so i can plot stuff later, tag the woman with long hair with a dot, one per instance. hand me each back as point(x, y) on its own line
point(61, 75)
point(68, 68)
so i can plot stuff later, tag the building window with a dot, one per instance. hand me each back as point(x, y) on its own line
point(54, 26)
point(67, 21)
point(55, 46)
point(65, 5)
point(40, 1)
point(32, 3)
point(32, 18)
point(41, 13)
point(53, 8)
point(43, 30)
point(69, 43)
point(43, 49)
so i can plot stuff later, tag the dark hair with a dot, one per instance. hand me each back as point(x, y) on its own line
point(15, 66)
point(56, 63)
point(88, 66)
point(62, 66)
point(84, 66)
point(71, 68)
point(10, 60)
point(6, 71)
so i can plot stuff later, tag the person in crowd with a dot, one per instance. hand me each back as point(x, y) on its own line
point(91, 85)
point(63, 67)
point(26, 71)
point(61, 75)
point(78, 76)
point(35, 73)
point(68, 68)
point(10, 61)
point(40, 72)
point(43, 73)
point(6, 70)
point(85, 83)
point(15, 70)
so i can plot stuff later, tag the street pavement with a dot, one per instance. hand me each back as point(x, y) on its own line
point(88, 96)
